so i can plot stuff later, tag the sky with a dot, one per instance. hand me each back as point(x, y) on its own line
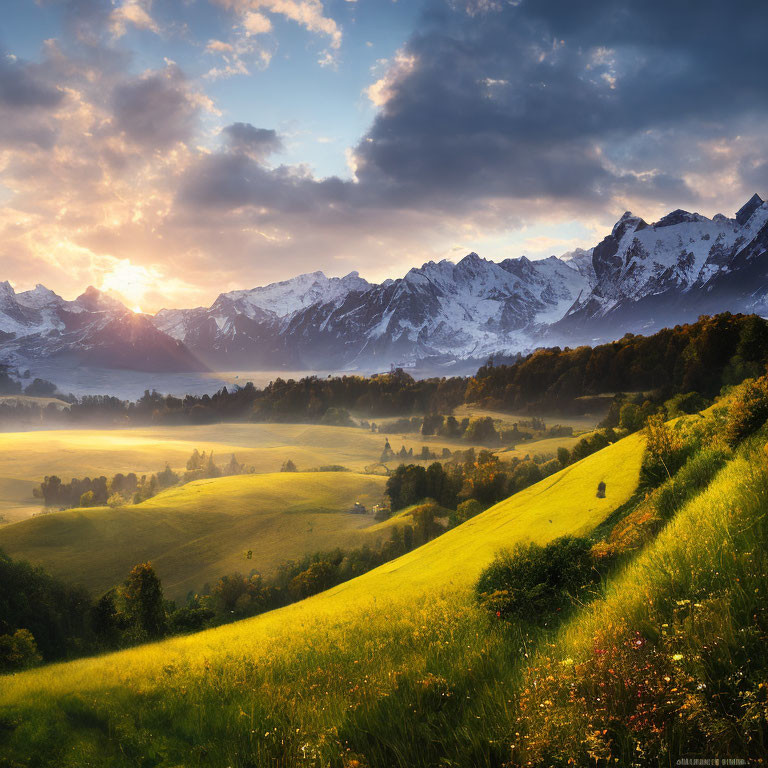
point(166, 151)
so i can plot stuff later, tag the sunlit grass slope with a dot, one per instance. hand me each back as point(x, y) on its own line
point(300, 669)
point(27, 457)
point(200, 531)
point(673, 659)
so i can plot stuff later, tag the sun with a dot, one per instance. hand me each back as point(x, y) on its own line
point(130, 283)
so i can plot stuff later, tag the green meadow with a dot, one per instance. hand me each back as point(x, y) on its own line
point(197, 532)
point(401, 651)
point(27, 457)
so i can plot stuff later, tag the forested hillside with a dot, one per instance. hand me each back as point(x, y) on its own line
point(702, 357)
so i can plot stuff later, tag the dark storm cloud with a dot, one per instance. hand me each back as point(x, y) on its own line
point(227, 181)
point(156, 110)
point(27, 100)
point(539, 100)
point(249, 140)
point(512, 99)
point(21, 89)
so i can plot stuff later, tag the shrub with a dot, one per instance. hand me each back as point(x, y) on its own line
point(748, 411)
point(665, 452)
point(690, 402)
point(532, 583)
point(465, 511)
point(18, 651)
point(337, 417)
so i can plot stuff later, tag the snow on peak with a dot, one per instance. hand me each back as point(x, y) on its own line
point(289, 296)
point(39, 297)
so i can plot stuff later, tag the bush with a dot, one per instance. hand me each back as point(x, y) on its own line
point(533, 583)
point(748, 411)
point(690, 402)
point(86, 500)
point(337, 417)
point(466, 510)
point(18, 651)
point(665, 452)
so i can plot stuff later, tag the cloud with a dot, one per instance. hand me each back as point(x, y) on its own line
point(383, 89)
point(134, 13)
point(22, 88)
point(157, 109)
point(309, 14)
point(256, 23)
point(495, 123)
point(528, 99)
point(257, 143)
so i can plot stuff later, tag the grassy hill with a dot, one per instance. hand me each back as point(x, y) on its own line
point(673, 659)
point(200, 531)
point(27, 457)
point(311, 680)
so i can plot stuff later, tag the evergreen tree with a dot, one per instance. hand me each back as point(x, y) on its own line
point(143, 600)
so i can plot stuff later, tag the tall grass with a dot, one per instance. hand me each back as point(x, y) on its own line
point(673, 662)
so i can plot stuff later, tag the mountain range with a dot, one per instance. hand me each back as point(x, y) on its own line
point(639, 278)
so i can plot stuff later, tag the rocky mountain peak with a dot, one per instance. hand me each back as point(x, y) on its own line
point(678, 216)
point(627, 223)
point(744, 214)
point(95, 300)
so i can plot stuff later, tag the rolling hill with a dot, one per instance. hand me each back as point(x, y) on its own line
point(27, 457)
point(290, 683)
point(199, 532)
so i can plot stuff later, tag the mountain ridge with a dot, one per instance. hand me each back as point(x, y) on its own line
point(639, 278)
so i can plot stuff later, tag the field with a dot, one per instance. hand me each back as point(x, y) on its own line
point(311, 680)
point(201, 531)
point(27, 457)
point(545, 448)
point(580, 423)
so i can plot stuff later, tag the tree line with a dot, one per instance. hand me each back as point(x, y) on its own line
point(130, 488)
point(698, 357)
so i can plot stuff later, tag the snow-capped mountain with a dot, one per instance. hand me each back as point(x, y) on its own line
point(640, 278)
point(246, 328)
point(439, 312)
point(94, 329)
point(650, 276)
